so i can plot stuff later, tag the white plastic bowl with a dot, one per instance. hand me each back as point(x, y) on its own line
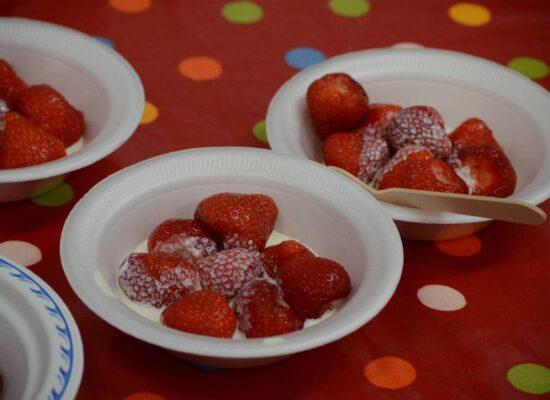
point(41, 354)
point(93, 77)
point(459, 86)
point(316, 206)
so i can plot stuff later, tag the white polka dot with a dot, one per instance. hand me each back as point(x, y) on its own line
point(407, 45)
point(442, 298)
point(24, 253)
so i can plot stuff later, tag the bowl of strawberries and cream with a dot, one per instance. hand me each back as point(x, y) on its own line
point(420, 119)
point(231, 257)
point(66, 101)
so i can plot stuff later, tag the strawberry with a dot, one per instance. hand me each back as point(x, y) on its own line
point(23, 143)
point(310, 284)
point(49, 109)
point(378, 120)
point(227, 271)
point(336, 103)
point(260, 313)
point(486, 169)
point(359, 154)
point(203, 313)
point(184, 238)
point(158, 280)
point(420, 125)
point(238, 220)
point(411, 152)
point(273, 256)
point(11, 84)
point(472, 132)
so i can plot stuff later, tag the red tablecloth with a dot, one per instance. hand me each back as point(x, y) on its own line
point(209, 69)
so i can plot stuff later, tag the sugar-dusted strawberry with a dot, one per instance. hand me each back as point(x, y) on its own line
point(23, 143)
point(238, 220)
point(227, 271)
point(310, 284)
point(486, 169)
point(378, 120)
point(407, 153)
point(10, 83)
point(158, 280)
point(420, 125)
point(359, 154)
point(49, 109)
point(274, 256)
point(203, 313)
point(184, 238)
point(336, 103)
point(260, 313)
point(472, 132)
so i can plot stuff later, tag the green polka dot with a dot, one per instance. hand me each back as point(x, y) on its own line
point(242, 12)
point(530, 378)
point(349, 8)
point(58, 196)
point(530, 67)
point(259, 131)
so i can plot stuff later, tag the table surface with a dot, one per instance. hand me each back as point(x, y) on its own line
point(470, 317)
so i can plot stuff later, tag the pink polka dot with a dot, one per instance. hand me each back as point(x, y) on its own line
point(24, 253)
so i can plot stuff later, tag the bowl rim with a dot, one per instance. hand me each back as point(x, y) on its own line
point(14, 30)
point(198, 345)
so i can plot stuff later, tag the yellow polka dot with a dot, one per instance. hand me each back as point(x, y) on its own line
point(390, 372)
point(200, 68)
point(143, 396)
point(130, 6)
point(461, 247)
point(150, 113)
point(469, 14)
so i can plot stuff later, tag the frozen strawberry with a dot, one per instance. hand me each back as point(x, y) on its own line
point(11, 84)
point(238, 220)
point(227, 271)
point(203, 313)
point(472, 132)
point(310, 284)
point(49, 109)
point(359, 154)
point(336, 103)
point(486, 169)
point(184, 238)
point(274, 256)
point(23, 143)
point(378, 120)
point(407, 153)
point(260, 313)
point(420, 125)
point(158, 280)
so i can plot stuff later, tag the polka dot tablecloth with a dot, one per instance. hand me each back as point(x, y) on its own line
point(470, 317)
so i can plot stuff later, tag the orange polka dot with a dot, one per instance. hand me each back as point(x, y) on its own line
point(461, 247)
point(130, 6)
point(143, 396)
point(390, 372)
point(200, 68)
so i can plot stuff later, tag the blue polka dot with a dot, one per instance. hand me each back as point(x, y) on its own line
point(105, 41)
point(303, 57)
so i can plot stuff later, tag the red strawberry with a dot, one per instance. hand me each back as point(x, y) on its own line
point(238, 220)
point(486, 169)
point(359, 154)
point(158, 280)
point(49, 109)
point(378, 120)
point(310, 284)
point(407, 153)
point(10, 83)
point(472, 132)
point(260, 313)
point(420, 125)
point(184, 238)
point(336, 103)
point(203, 313)
point(227, 271)
point(274, 256)
point(23, 143)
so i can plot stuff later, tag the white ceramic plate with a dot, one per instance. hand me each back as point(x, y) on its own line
point(41, 354)
point(92, 76)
